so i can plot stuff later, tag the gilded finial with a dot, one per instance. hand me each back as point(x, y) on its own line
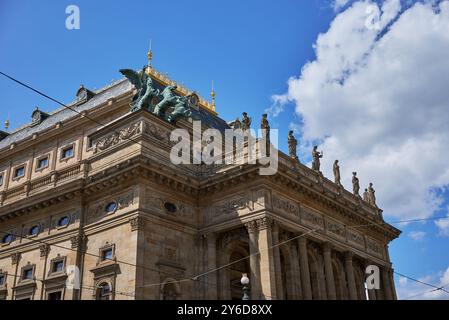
point(150, 55)
point(212, 95)
point(6, 125)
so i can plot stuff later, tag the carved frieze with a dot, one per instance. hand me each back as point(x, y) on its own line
point(230, 208)
point(285, 206)
point(154, 131)
point(169, 207)
point(336, 229)
point(310, 218)
point(355, 238)
point(374, 247)
point(117, 136)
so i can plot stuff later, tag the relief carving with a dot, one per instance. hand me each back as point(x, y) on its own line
point(117, 137)
point(286, 206)
point(313, 219)
point(157, 132)
point(336, 228)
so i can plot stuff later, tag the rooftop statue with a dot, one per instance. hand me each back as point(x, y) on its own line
point(355, 184)
point(145, 89)
point(316, 156)
point(336, 169)
point(246, 121)
point(178, 106)
point(292, 143)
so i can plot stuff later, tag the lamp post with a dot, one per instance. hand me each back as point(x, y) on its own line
point(245, 282)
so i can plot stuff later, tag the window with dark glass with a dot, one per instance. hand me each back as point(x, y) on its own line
point(7, 238)
point(111, 207)
point(55, 295)
point(58, 266)
point(67, 152)
point(1, 179)
point(42, 163)
point(2, 279)
point(63, 221)
point(107, 254)
point(34, 230)
point(19, 172)
point(104, 292)
point(27, 274)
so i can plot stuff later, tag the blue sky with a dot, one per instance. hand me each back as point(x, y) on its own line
point(250, 49)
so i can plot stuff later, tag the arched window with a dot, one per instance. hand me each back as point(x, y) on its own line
point(104, 291)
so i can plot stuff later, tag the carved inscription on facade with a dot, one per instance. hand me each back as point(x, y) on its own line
point(285, 206)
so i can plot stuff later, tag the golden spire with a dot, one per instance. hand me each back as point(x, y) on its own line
point(212, 95)
point(150, 56)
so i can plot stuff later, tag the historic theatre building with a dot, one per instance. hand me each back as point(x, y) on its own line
point(92, 195)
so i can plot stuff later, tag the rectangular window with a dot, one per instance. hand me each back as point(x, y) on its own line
point(55, 295)
point(106, 254)
point(27, 274)
point(1, 179)
point(58, 266)
point(2, 280)
point(67, 152)
point(19, 172)
point(42, 163)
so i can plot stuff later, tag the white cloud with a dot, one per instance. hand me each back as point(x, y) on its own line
point(417, 235)
point(277, 106)
point(407, 289)
point(443, 225)
point(338, 4)
point(378, 101)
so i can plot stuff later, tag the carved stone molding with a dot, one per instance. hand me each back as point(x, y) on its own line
point(15, 257)
point(44, 250)
point(252, 226)
point(286, 206)
point(157, 132)
point(264, 223)
point(137, 223)
point(117, 137)
point(78, 241)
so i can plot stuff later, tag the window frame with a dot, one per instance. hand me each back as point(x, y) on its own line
point(38, 160)
point(57, 259)
point(31, 267)
point(64, 149)
point(105, 248)
point(15, 177)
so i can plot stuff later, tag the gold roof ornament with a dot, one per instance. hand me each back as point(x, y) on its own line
point(212, 95)
point(181, 89)
point(6, 125)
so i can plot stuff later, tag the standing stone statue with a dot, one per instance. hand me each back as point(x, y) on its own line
point(292, 143)
point(246, 121)
point(355, 184)
point(316, 155)
point(365, 195)
point(265, 126)
point(336, 169)
point(371, 195)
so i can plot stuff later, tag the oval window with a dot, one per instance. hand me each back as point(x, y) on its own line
point(111, 207)
point(63, 221)
point(7, 239)
point(170, 207)
point(34, 230)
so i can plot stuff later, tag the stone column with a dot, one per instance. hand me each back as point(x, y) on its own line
point(254, 260)
point(350, 276)
point(330, 283)
point(304, 267)
point(296, 273)
point(277, 262)
point(267, 264)
point(386, 283)
point(211, 239)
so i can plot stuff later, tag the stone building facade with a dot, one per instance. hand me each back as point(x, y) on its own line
point(95, 191)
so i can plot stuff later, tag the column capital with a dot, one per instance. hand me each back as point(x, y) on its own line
point(264, 223)
point(252, 226)
point(349, 255)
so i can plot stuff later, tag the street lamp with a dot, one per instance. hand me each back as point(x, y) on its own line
point(245, 282)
